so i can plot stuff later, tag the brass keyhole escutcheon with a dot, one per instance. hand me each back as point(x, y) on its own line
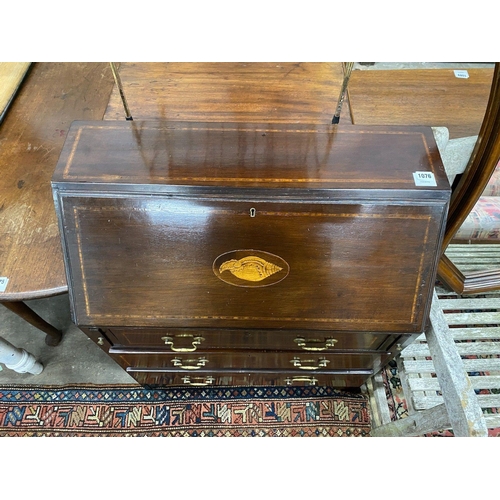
point(253, 212)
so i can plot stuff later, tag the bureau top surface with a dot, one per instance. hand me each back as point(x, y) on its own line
point(275, 156)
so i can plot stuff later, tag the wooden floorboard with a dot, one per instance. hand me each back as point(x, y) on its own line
point(433, 97)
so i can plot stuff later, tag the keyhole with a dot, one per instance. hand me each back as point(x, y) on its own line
point(252, 212)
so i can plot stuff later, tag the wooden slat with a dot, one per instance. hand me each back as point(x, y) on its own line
point(482, 258)
point(455, 304)
point(378, 400)
point(457, 248)
point(11, 76)
point(433, 97)
point(484, 400)
point(484, 318)
point(367, 388)
point(416, 424)
point(404, 379)
point(464, 349)
point(492, 420)
point(490, 257)
point(432, 383)
point(470, 365)
point(484, 333)
point(475, 257)
point(480, 263)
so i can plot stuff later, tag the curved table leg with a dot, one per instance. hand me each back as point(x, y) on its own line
point(21, 309)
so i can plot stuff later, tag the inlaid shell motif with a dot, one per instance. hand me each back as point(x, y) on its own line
point(250, 268)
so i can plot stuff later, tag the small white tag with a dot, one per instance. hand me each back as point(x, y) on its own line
point(3, 283)
point(461, 73)
point(424, 179)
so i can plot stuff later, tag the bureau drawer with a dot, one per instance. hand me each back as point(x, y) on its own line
point(341, 379)
point(186, 340)
point(204, 361)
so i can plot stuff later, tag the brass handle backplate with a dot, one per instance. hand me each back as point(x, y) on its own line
point(200, 381)
point(312, 344)
point(309, 364)
point(190, 364)
point(196, 341)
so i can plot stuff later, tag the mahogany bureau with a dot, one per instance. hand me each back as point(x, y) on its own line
point(247, 254)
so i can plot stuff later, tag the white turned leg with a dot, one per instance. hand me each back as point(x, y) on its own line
point(17, 359)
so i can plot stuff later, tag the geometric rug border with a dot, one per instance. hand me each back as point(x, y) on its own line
point(130, 410)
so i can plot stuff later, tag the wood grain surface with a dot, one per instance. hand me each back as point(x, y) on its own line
point(229, 92)
point(248, 359)
point(433, 97)
point(11, 77)
point(31, 138)
point(213, 339)
point(244, 155)
point(249, 236)
point(337, 219)
point(131, 260)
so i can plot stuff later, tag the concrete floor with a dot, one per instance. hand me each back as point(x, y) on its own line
point(77, 359)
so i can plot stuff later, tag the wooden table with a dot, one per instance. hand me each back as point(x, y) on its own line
point(11, 77)
point(433, 97)
point(230, 92)
point(31, 137)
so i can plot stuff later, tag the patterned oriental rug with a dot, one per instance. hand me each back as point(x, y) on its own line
point(88, 411)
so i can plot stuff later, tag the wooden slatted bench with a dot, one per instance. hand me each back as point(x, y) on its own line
point(473, 328)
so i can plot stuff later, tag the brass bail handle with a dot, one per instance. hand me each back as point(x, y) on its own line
point(309, 364)
point(198, 381)
point(195, 343)
point(309, 380)
point(190, 364)
point(312, 344)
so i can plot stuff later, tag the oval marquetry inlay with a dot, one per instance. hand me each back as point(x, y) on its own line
point(250, 268)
